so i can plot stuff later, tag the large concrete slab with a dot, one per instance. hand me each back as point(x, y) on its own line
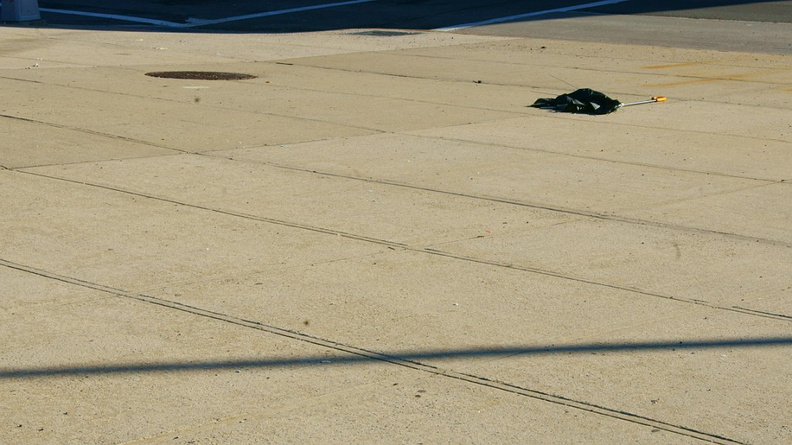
point(26, 145)
point(618, 70)
point(134, 243)
point(333, 204)
point(776, 302)
point(452, 306)
point(179, 126)
point(660, 261)
point(37, 49)
point(423, 417)
point(688, 393)
point(279, 82)
point(710, 153)
point(143, 372)
point(472, 308)
point(744, 209)
point(51, 47)
point(79, 366)
point(531, 177)
point(466, 214)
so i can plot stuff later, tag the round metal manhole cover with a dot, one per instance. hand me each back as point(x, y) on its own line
point(201, 75)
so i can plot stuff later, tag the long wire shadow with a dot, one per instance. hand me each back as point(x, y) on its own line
point(415, 358)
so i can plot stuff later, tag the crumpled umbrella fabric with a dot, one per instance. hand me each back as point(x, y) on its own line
point(584, 100)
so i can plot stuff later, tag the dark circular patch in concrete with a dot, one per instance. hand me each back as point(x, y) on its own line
point(201, 75)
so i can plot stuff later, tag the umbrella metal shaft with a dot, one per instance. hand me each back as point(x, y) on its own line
point(652, 100)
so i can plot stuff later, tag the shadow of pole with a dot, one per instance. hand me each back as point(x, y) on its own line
point(395, 358)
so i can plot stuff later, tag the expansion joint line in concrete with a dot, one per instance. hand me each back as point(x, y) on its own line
point(568, 211)
point(166, 100)
point(91, 132)
point(620, 162)
point(562, 276)
point(377, 356)
point(424, 250)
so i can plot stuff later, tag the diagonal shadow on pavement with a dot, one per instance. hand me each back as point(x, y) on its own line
point(395, 357)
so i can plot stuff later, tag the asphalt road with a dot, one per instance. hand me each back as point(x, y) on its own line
point(296, 15)
point(664, 23)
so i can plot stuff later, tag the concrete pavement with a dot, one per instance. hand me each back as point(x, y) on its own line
point(376, 241)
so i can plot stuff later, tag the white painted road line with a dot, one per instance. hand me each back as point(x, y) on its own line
point(125, 18)
point(201, 22)
point(193, 22)
point(529, 14)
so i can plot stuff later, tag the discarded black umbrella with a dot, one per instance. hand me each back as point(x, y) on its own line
point(587, 101)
